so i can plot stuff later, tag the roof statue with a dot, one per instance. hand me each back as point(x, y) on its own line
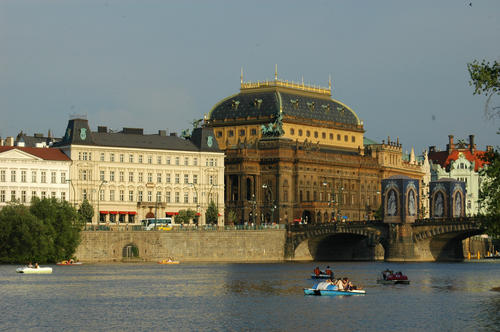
point(273, 129)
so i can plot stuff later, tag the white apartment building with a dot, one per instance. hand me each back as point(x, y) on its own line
point(27, 172)
point(129, 176)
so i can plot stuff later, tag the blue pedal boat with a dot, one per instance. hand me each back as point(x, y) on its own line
point(331, 292)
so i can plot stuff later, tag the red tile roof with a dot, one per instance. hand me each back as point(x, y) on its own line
point(44, 153)
point(444, 159)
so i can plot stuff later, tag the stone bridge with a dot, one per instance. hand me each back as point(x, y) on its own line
point(424, 240)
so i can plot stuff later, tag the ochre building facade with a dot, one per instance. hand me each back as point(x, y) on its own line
point(294, 154)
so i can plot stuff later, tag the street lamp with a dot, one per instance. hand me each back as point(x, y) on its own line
point(99, 200)
point(253, 202)
point(197, 199)
point(74, 193)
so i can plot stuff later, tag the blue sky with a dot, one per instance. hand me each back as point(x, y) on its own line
point(400, 65)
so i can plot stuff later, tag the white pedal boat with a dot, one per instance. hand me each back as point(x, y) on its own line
point(33, 270)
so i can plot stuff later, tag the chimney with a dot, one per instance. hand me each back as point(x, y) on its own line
point(102, 129)
point(9, 141)
point(472, 146)
point(162, 132)
point(450, 145)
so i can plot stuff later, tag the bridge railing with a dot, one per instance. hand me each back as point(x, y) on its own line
point(336, 224)
point(185, 228)
point(446, 221)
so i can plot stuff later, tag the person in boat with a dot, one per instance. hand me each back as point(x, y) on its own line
point(345, 283)
point(36, 266)
point(317, 271)
point(340, 284)
point(328, 271)
point(30, 265)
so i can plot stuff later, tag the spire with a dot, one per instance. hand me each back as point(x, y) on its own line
point(330, 82)
point(241, 76)
point(412, 156)
point(276, 72)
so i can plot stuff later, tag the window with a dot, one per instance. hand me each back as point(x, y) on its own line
point(167, 197)
point(139, 196)
point(111, 176)
point(122, 195)
point(211, 163)
point(101, 175)
point(150, 159)
point(177, 160)
point(111, 195)
point(308, 133)
point(63, 177)
point(121, 218)
point(33, 176)
point(292, 131)
point(112, 218)
point(353, 139)
point(131, 195)
point(210, 179)
point(33, 195)
point(101, 157)
point(122, 157)
point(130, 176)
point(300, 132)
point(186, 178)
point(338, 137)
point(150, 177)
point(230, 133)
point(167, 161)
point(2, 176)
point(195, 197)
point(195, 161)
point(112, 157)
point(23, 176)
point(242, 132)
point(331, 136)
point(53, 177)
point(253, 132)
point(195, 178)
point(84, 156)
point(158, 160)
point(186, 161)
point(158, 196)
point(315, 134)
point(177, 178)
point(101, 195)
point(186, 197)
point(84, 194)
point(13, 196)
point(323, 135)
point(2, 196)
point(43, 195)
point(130, 158)
point(53, 194)
point(177, 197)
point(219, 133)
point(346, 138)
point(140, 159)
point(150, 196)
point(12, 176)
point(63, 196)
point(158, 177)
point(140, 177)
point(167, 178)
point(44, 177)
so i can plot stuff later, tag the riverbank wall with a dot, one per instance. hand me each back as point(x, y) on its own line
point(212, 246)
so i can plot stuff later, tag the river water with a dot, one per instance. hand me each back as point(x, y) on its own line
point(249, 297)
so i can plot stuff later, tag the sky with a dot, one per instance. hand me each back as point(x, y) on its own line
point(400, 65)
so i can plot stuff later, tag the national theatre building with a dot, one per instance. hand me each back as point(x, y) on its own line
point(295, 154)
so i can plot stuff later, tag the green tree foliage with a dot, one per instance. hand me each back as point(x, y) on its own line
point(232, 217)
point(212, 213)
point(485, 78)
point(86, 211)
point(185, 216)
point(489, 194)
point(48, 231)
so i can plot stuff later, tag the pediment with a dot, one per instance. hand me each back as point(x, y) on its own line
point(18, 155)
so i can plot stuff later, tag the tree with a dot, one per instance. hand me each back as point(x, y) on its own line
point(212, 214)
point(232, 216)
point(486, 81)
point(86, 211)
point(489, 194)
point(185, 216)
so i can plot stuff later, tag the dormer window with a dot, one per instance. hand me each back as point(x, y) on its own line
point(311, 106)
point(235, 104)
point(257, 103)
point(295, 103)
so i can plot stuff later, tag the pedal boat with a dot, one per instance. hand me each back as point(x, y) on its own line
point(321, 276)
point(33, 270)
point(333, 292)
point(167, 261)
point(69, 263)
